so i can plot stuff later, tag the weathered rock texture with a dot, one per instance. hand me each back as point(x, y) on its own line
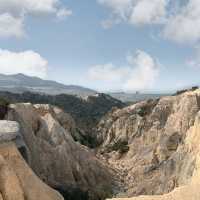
point(189, 191)
point(9, 130)
point(54, 155)
point(86, 112)
point(17, 180)
point(154, 146)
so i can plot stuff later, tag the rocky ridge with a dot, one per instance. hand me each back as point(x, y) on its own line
point(154, 147)
point(65, 165)
point(150, 148)
point(85, 112)
point(189, 190)
point(17, 180)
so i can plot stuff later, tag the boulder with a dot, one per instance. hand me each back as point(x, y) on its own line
point(64, 164)
point(17, 180)
point(9, 130)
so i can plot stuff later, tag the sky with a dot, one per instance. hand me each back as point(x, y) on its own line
point(107, 45)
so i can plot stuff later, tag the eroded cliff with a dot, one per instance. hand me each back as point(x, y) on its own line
point(150, 148)
point(189, 190)
point(55, 157)
point(17, 180)
point(147, 144)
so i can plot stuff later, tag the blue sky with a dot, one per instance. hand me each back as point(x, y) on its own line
point(78, 50)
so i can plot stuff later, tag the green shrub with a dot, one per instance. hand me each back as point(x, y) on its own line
point(121, 146)
point(3, 107)
point(4, 102)
point(102, 193)
point(185, 90)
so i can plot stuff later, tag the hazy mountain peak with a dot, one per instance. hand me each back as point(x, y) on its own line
point(20, 83)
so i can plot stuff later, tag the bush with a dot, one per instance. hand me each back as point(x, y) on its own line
point(194, 88)
point(147, 108)
point(185, 90)
point(4, 102)
point(3, 108)
point(121, 146)
point(102, 193)
point(180, 92)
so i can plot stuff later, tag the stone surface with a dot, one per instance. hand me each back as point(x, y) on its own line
point(150, 148)
point(17, 181)
point(86, 112)
point(9, 130)
point(154, 134)
point(55, 157)
point(189, 191)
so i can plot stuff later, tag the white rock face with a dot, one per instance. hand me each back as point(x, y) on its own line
point(9, 130)
point(151, 136)
point(54, 155)
point(189, 191)
point(17, 180)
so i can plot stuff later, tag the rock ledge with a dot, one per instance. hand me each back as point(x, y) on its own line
point(9, 130)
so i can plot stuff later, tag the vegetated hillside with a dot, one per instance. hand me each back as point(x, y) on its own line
point(135, 97)
point(20, 83)
point(86, 112)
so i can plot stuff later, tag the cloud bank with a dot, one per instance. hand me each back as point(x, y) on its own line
point(139, 74)
point(26, 62)
point(13, 14)
point(184, 26)
point(137, 12)
point(180, 20)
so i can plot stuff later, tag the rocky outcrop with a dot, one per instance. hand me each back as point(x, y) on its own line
point(150, 148)
point(9, 130)
point(55, 157)
point(17, 180)
point(145, 143)
point(189, 191)
point(86, 112)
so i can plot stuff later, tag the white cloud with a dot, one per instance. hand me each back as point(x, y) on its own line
point(63, 13)
point(140, 73)
point(149, 12)
point(180, 19)
point(13, 13)
point(194, 61)
point(27, 62)
point(10, 26)
point(184, 26)
point(138, 12)
point(33, 7)
point(122, 8)
point(108, 72)
point(144, 72)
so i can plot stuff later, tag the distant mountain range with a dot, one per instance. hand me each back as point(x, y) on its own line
point(20, 83)
point(135, 97)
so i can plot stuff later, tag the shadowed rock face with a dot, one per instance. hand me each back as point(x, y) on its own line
point(3, 111)
point(73, 193)
point(54, 155)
